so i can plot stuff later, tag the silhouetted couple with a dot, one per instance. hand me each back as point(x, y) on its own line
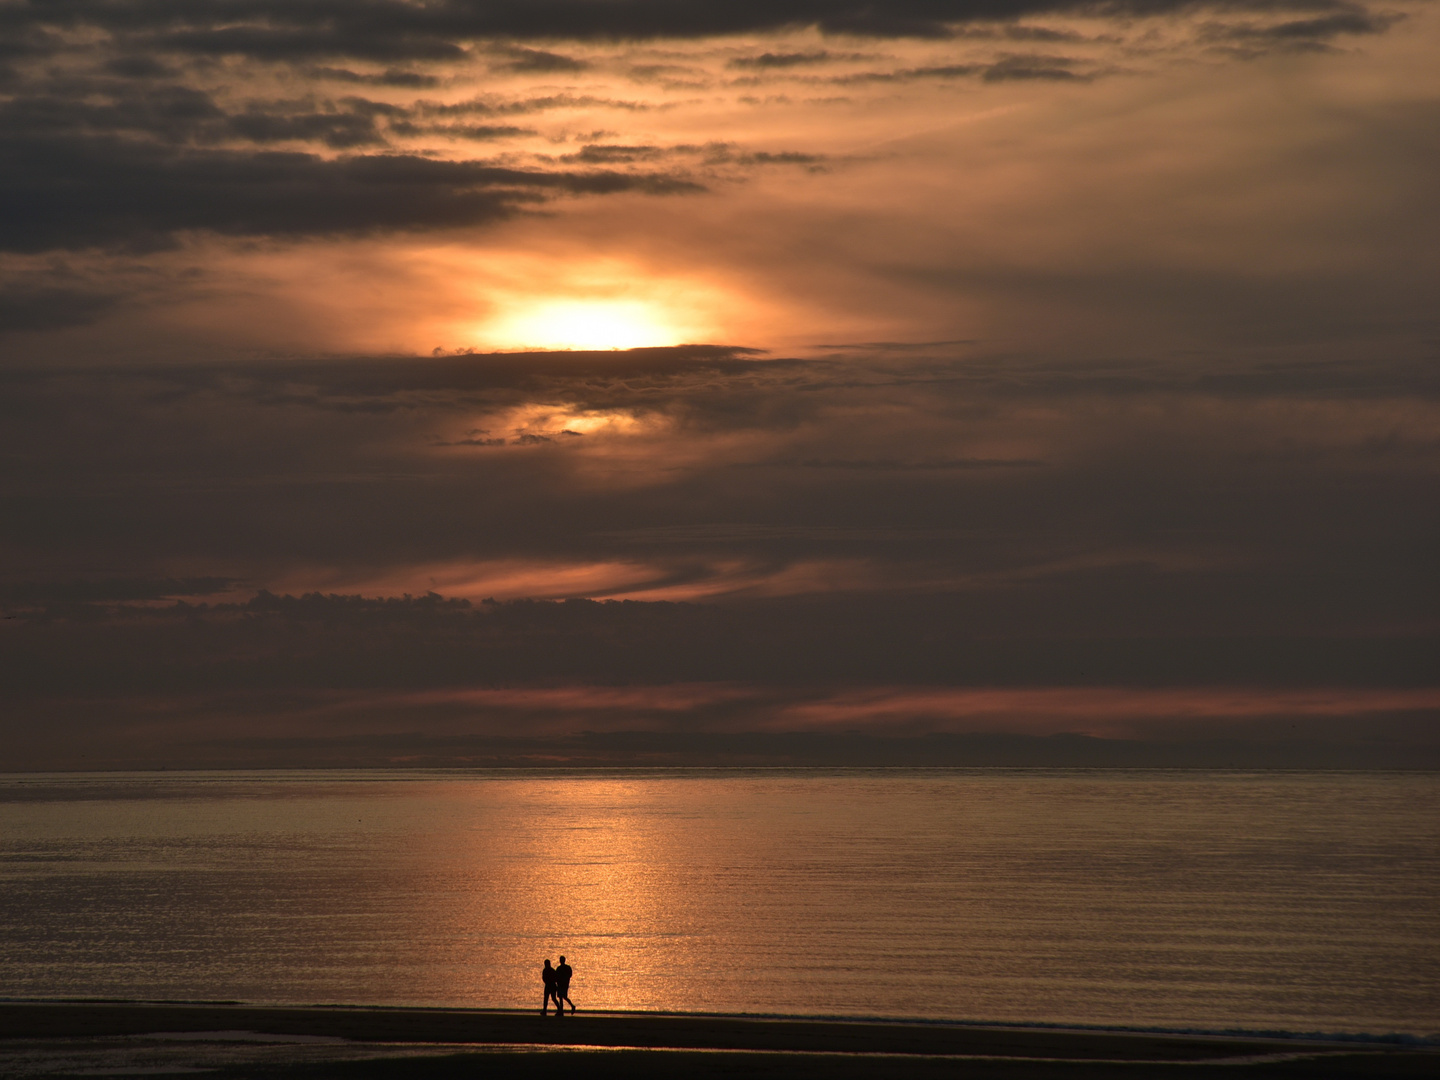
point(557, 988)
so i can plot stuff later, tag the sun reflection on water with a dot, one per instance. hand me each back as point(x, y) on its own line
point(601, 880)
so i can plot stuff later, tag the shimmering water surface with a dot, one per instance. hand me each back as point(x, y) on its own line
point(1299, 901)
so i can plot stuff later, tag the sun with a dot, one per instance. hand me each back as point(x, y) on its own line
point(587, 324)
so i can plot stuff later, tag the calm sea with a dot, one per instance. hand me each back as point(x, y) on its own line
point(1295, 901)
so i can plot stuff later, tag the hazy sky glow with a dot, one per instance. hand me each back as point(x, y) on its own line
point(930, 367)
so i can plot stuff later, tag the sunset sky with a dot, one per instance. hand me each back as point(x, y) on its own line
point(929, 369)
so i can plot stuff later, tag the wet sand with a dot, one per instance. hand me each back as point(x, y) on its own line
point(116, 1038)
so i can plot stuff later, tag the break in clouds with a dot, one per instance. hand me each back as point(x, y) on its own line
point(1067, 392)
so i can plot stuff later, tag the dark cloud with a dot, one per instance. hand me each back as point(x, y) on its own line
point(1006, 68)
point(1312, 34)
point(327, 679)
point(25, 40)
point(543, 103)
point(397, 77)
point(1055, 68)
point(717, 153)
point(59, 192)
point(139, 66)
point(181, 740)
point(1219, 524)
point(391, 30)
point(66, 595)
point(466, 372)
point(782, 60)
point(40, 307)
point(517, 58)
point(1355, 21)
point(474, 132)
point(607, 155)
point(313, 42)
point(1039, 33)
point(1109, 519)
point(892, 465)
point(79, 106)
point(940, 71)
point(171, 113)
point(701, 373)
point(338, 130)
point(570, 101)
point(81, 636)
point(783, 157)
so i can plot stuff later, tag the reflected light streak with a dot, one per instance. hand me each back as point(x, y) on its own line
point(604, 882)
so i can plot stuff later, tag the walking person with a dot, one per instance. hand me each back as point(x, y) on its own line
point(547, 976)
point(562, 987)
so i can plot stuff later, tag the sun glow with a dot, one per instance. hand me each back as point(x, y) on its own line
point(588, 324)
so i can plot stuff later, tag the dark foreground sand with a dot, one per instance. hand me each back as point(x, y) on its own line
point(53, 1039)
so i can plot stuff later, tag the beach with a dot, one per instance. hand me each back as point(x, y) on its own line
point(53, 1039)
point(1039, 924)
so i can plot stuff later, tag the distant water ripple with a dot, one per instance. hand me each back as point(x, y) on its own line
point(1297, 901)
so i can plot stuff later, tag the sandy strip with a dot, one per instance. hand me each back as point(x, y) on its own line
point(308, 1038)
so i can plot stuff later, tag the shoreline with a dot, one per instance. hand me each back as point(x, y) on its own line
point(419, 1041)
point(1040, 1027)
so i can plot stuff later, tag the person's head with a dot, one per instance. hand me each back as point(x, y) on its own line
point(547, 961)
point(562, 959)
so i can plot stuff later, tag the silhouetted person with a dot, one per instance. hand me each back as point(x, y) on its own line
point(562, 986)
point(547, 976)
